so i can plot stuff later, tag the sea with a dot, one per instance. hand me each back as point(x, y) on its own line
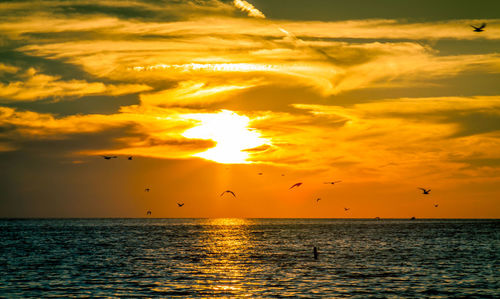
point(255, 258)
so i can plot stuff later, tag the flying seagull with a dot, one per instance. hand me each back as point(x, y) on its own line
point(228, 191)
point(148, 213)
point(108, 157)
point(332, 183)
point(347, 209)
point(436, 205)
point(480, 28)
point(425, 191)
point(147, 189)
point(130, 158)
point(180, 204)
point(295, 185)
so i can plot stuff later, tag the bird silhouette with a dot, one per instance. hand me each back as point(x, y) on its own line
point(436, 205)
point(425, 191)
point(147, 189)
point(318, 199)
point(148, 213)
point(282, 174)
point(130, 158)
point(347, 209)
point(295, 185)
point(228, 191)
point(109, 157)
point(260, 173)
point(180, 204)
point(332, 183)
point(480, 28)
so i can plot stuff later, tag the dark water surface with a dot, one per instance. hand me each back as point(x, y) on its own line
point(249, 257)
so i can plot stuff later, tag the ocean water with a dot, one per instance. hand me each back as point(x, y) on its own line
point(249, 258)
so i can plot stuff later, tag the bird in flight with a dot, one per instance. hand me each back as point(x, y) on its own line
point(318, 199)
point(148, 213)
point(295, 185)
point(147, 189)
point(260, 173)
point(425, 191)
point(109, 157)
point(332, 183)
point(130, 158)
point(180, 204)
point(228, 191)
point(480, 28)
point(347, 209)
point(436, 205)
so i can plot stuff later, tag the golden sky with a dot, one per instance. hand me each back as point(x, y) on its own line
point(253, 97)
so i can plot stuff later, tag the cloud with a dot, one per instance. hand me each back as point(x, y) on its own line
point(146, 132)
point(37, 86)
point(248, 8)
point(4, 68)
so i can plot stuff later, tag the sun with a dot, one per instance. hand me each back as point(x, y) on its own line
point(231, 133)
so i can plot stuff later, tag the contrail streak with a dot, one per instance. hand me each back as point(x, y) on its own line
point(249, 8)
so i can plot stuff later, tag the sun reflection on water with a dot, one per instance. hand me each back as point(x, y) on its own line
point(225, 242)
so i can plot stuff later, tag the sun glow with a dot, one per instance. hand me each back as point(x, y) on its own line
point(231, 133)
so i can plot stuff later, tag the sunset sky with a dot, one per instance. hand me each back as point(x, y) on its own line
point(386, 96)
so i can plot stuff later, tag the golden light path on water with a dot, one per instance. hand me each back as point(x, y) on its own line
point(227, 240)
point(231, 133)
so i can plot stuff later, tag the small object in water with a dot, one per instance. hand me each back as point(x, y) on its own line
point(147, 189)
point(315, 251)
point(318, 199)
point(130, 158)
point(412, 218)
point(148, 213)
point(436, 205)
